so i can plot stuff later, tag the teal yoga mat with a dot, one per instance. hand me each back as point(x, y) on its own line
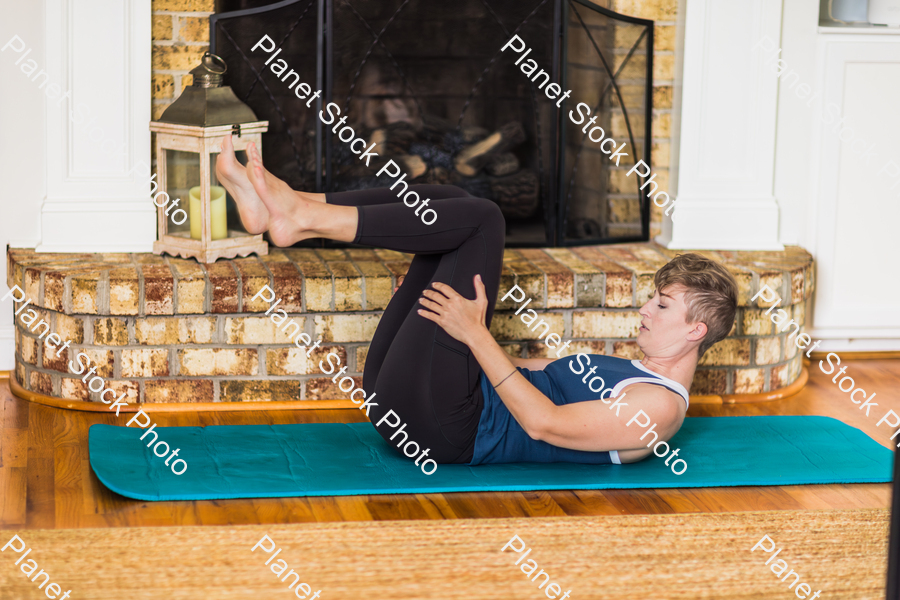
point(338, 459)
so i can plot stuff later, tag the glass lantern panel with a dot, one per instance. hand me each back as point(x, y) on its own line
point(182, 174)
point(235, 226)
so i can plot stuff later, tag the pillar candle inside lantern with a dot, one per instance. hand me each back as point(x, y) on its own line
point(218, 214)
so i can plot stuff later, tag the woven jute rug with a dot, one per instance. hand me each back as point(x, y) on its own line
point(841, 553)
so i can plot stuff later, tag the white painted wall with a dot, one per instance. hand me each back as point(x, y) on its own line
point(65, 161)
point(22, 151)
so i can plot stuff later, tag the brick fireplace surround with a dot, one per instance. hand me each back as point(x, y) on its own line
point(167, 330)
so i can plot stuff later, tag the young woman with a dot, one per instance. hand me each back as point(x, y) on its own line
point(433, 360)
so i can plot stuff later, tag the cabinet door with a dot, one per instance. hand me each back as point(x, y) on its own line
point(855, 213)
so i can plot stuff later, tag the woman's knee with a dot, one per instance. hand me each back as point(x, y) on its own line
point(489, 214)
point(439, 192)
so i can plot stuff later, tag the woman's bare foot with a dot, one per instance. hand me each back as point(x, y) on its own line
point(286, 208)
point(233, 176)
point(296, 216)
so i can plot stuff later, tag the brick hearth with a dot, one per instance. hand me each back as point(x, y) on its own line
point(171, 330)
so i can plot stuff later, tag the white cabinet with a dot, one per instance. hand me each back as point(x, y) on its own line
point(853, 204)
point(785, 174)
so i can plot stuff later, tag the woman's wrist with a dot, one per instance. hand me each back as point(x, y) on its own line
point(479, 336)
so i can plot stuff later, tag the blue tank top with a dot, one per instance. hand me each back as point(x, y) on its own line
point(500, 438)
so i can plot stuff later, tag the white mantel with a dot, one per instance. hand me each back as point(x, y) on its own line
point(724, 166)
point(98, 139)
point(63, 190)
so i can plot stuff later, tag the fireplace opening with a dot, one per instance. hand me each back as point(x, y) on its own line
point(428, 83)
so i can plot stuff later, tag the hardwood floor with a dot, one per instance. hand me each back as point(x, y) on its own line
point(46, 481)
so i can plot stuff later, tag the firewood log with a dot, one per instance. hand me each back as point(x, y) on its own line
point(502, 164)
point(395, 138)
point(472, 134)
point(517, 195)
point(415, 166)
point(472, 158)
point(437, 175)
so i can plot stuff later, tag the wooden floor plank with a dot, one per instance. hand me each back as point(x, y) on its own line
point(12, 497)
point(46, 480)
point(473, 505)
point(869, 495)
point(41, 424)
point(542, 504)
point(639, 502)
point(678, 500)
point(97, 497)
point(15, 412)
point(268, 510)
point(13, 447)
point(185, 513)
point(67, 487)
point(387, 508)
point(436, 506)
point(355, 508)
point(325, 509)
point(227, 512)
point(822, 497)
point(732, 499)
point(584, 503)
point(40, 511)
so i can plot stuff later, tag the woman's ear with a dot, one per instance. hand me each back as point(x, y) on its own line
point(698, 332)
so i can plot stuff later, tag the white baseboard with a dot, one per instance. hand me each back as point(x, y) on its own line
point(854, 334)
point(859, 345)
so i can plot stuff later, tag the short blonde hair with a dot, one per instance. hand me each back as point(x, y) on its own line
point(710, 293)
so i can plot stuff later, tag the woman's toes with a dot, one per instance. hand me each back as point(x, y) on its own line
point(258, 180)
point(255, 157)
point(234, 177)
point(226, 156)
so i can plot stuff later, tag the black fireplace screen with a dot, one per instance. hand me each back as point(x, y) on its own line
point(427, 82)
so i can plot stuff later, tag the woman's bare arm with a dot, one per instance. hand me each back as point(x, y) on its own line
point(592, 426)
point(532, 364)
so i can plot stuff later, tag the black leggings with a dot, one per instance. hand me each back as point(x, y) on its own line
point(414, 366)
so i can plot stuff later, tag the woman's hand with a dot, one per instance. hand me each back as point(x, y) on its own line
point(459, 317)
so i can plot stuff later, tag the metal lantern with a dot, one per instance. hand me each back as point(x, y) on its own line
point(192, 210)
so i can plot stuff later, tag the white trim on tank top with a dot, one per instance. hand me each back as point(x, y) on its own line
point(679, 389)
point(631, 380)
